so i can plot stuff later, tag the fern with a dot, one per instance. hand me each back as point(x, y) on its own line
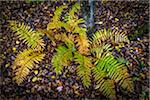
point(61, 58)
point(72, 20)
point(49, 34)
point(114, 37)
point(84, 68)
point(56, 23)
point(91, 56)
point(106, 86)
point(82, 44)
point(27, 34)
point(24, 62)
point(69, 40)
point(115, 71)
point(101, 51)
point(75, 9)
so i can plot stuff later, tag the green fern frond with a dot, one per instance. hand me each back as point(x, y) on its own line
point(61, 58)
point(116, 71)
point(24, 62)
point(27, 34)
point(107, 87)
point(84, 68)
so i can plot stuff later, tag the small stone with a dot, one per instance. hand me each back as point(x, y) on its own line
point(60, 88)
point(77, 92)
point(100, 22)
point(110, 17)
point(44, 72)
point(12, 57)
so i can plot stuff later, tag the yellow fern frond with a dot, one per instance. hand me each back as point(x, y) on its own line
point(61, 58)
point(72, 25)
point(55, 22)
point(102, 50)
point(82, 44)
point(84, 68)
point(119, 37)
point(104, 35)
point(49, 34)
point(32, 38)
point(24, 62)
point(75, 9)
point(71, 18)
point(79, 30)
point(68, 40)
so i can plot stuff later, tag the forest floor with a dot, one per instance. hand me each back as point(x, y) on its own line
point(42, 82)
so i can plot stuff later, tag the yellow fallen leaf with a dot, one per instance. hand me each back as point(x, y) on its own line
point(28, 91)
point(34, 79)
point(116, 19)
point(17, 42)
point(77, 92)
point(36, 72)
point(53, 77)
point(142, 75)
point(14, 49)
point(7, 65)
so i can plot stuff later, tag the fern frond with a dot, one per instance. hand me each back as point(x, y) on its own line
point(84, 68)
point(69, 40)
point(71, 19)
point(114, 37)
point(75, 9)
point(101, 51)
point(55, 22)
point(61, 58)
point(49, 34)
point(27, 34)
point(82, 44)
point(107, 87)
point(116, 71)
point(72, 25)
point(24, 62)
point(80, 30)
point(119, 37)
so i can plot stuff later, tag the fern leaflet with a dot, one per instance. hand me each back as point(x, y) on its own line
point(84, 68)
point(61, 58)
point(24, 62)
point(27, 34)
point(115, 71)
